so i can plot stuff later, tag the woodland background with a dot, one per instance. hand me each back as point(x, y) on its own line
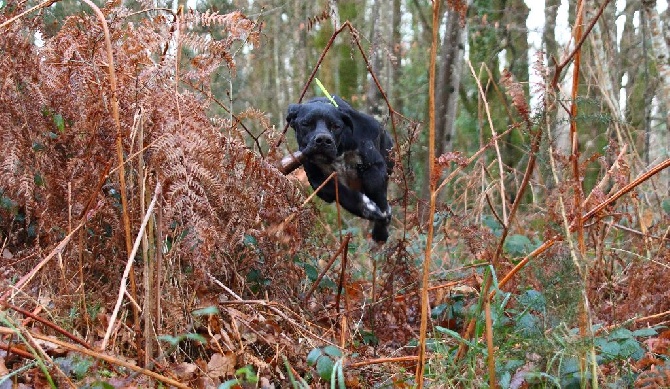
point(148, 238)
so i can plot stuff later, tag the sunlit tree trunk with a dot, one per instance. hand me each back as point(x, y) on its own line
point(658, 136)
point(448, 82)
point(516, 58)
point(395, 68)
point(603, 51)
point(559, 121)
point(373, 95)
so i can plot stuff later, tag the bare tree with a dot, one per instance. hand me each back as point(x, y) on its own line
point(449, 80)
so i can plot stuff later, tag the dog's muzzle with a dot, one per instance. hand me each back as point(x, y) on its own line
point(322, 143)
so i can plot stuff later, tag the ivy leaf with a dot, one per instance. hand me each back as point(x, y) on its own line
point(313, 356)
point(324, 366)
point(332, 351)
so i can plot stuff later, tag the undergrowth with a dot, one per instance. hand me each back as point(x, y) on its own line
point(241, 279)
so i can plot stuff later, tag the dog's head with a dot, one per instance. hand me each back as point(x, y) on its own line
point(319, 127)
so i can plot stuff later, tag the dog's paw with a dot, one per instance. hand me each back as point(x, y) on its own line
point(371, 211)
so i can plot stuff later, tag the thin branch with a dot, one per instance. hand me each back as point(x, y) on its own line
point(110, 359)
point(119, 154)
point(560, 67)
point(421, 362)
point(44, 4)
point(129, 265)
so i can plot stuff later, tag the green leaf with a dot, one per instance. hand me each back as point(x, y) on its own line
point(173, 340)
point(59, 122)
point(453, 334)
point(630, 348)
point(37, 146)
point(212, 310)
point(39, 180)
point(332, 351)
point(250, 240)
point(311, 271)
point(196, 337)
point(438, 310)
point(612, 350)
point(80, 367)
point(532, 299)
point(666, 205)
point(621, 334)
point(248, 374)
point(644, 332)
point(7, 203)
point(518, 245)
point(369, 338)
point(313, 356)
point(492, 223)
point(528, 324)
point(324, 366)
point(569, 365)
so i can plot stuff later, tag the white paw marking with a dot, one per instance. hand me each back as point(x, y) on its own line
point(370, 204)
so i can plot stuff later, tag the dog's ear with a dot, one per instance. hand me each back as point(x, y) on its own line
point(348, 121)
point(292, 112)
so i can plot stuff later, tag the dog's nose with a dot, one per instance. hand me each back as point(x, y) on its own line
point(323, 140)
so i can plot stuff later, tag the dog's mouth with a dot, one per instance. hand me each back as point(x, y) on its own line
point(321, 149)
point(323, 154)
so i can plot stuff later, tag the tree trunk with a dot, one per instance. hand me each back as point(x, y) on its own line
point(396, 70)
point(373, 95)
point(449, 79)
point(658, 135)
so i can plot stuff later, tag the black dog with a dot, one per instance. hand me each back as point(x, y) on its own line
point(353, 144)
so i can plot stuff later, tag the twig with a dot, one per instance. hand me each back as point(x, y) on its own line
point(495, 142)
point(110, 359)
point(472, 158)
point(409, 358)
point(59, 248)
point(432, 180)
point(129, 264)
point(343, 245)
point(273, 307)
point(15, 350)
point(49, 324)
point(566, 61)
point(119, 154)
point(44, 4)
point(593, 212)
point(489, 344)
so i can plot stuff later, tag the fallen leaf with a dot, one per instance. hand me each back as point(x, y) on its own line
point(221, 365)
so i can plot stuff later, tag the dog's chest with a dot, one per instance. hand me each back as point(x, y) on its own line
point(346, 166)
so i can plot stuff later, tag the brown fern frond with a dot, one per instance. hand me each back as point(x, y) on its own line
point(235, 24)
point(316, 19)
point(515, 91)
point(658, 377)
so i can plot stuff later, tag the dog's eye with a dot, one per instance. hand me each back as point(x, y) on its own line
point(304, 122)
point(335, 128)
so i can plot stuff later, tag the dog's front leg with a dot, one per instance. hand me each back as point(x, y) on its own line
point(353, 201)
